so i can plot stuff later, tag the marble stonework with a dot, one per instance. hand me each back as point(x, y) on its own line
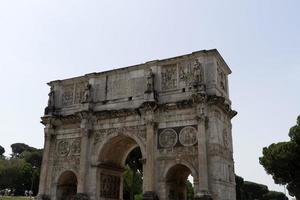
point(176, 110)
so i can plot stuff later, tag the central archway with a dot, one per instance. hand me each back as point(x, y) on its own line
point(112, 165)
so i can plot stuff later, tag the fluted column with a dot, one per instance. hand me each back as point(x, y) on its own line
point(149, 165)
point(44, 179)
point(84, 154)
point(203, 190)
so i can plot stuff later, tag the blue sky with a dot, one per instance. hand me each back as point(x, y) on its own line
point(43, 40)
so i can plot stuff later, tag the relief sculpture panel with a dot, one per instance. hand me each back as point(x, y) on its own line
point(101, 134)
point(63, 148)
point(67, 96)
point(188, 136)
point(169, 77)
point(168, 138)
point(177, 137)
point(110, 186)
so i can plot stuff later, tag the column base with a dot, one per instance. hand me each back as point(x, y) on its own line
point(203, 196)
point(42, 197)
point(80, 196)
point(149, 195)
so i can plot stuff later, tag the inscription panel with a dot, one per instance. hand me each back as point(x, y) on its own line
point(123, 86)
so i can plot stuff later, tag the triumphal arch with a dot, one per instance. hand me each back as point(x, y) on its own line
point(176, 110)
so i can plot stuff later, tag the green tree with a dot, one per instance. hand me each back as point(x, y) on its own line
point(254, 190)
point(190, 190)
point(272, 195)
point(133, 183)
point(15, 174)
point(282, 161)
point(239, 187)
point(33, 157)
point(19, 148)
point(133, 180)
point(2, 151)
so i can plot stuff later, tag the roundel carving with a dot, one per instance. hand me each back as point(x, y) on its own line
point(168, 138)
point(63, 148)
point(188, 136)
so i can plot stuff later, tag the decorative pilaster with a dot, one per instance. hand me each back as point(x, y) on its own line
point(200, 103)
point(48, 137)
point(86, 130)
point(148, 110)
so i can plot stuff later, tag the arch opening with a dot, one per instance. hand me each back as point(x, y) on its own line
point(133, 175)
point(119, 167)
point(66, 186)
point(179, 183)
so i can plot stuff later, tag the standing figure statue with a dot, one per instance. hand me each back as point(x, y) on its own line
point(197, 73)
point(50, 107)
point(150, 81)
point(86, 95)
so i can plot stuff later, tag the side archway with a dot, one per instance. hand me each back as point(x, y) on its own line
point(66, 186)
point(176, 182)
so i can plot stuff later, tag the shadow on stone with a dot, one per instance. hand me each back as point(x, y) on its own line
point(149, 196)
point(80, 196)
point(204, 197)
point(43, 197)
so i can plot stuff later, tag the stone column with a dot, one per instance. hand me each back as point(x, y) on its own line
point(203, 190)
point(44, 177)
point(149, 170)
point(84, 154)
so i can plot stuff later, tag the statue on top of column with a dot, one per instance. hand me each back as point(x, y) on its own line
point(87, 93)
point(50, 107)
point(149, 81)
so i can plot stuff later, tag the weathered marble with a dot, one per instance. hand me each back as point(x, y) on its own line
point(176, 110)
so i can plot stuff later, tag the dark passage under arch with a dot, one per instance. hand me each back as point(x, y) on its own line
point(66, 186)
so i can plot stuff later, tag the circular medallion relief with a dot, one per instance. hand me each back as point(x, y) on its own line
point(168, 138)
point(63, 148)
point(188, 136)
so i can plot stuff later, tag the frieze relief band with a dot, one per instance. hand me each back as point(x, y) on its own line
point(101, 134)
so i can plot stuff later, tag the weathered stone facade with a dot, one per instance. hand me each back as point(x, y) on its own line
point(176, 110)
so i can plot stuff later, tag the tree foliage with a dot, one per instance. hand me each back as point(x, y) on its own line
point(282, 161)
point(19, 148)
point(246, 190)
point(21, 171)
point(190, 190)
point(133, 175)
point(2, 151)
point(272, 195)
